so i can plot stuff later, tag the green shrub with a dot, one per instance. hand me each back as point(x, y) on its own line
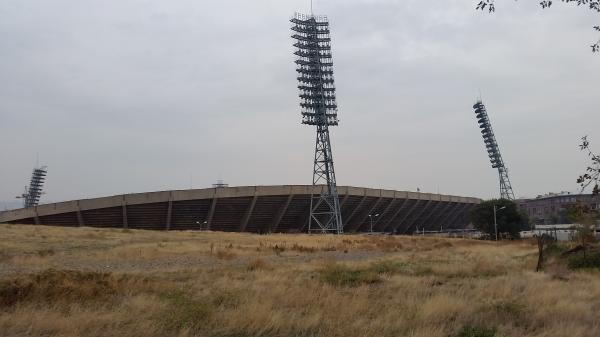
point(510, 309)
point(422, 271)
point(223, 298)
point(45, 252)
point(64, 286)
point(184, 311)
point(389, 267)
point(340, 275)
point(556, 249)
point(591, 260)
point(477, 331)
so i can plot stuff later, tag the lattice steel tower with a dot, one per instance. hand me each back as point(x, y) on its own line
point(506, 191)
point(318, 106)
point(32, 194)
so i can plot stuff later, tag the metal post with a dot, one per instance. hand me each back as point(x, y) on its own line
point(496, 222)
point(371, 216)
point(201, 225)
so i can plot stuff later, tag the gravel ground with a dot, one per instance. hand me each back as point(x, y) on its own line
point(179, 262)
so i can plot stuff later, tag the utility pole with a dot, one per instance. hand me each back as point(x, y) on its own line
point(495, 221)
point(371, 216)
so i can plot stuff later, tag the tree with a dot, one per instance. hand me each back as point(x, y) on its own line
point(593, 5)
point(510, 219)
point(542, 240)
point(592, 174)
point(579, 213)
point(584, 217)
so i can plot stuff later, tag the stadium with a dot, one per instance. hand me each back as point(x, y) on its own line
point(257, 209)
point(320, 207)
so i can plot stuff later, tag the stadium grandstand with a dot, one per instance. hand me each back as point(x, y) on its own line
point(258, 209)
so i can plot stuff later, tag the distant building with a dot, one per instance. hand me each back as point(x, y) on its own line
point(551, 208)
point(565, 232)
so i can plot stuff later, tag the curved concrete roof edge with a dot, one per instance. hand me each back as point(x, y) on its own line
point(209, 193)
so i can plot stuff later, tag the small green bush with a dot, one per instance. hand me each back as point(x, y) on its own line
point(340, 275)
point(53, 286)
point(510, 309)
point(184, 311)
point(45, 252)
point(224, 298)
point(591, 260)
point(389, 267)
point(422, 271)
point(477, 331)
point(556, 249)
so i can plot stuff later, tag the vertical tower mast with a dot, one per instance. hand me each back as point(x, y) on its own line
point(318, 107)
point(506, 191)
point(32, 194)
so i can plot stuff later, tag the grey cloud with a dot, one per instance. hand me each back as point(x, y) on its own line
point(129, 96)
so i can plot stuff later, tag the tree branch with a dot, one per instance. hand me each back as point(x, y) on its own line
point(592, 175)
point(593, 5)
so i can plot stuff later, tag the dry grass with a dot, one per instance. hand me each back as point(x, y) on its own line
point(82, 281)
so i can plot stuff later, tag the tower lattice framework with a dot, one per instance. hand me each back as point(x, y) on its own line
point(506, 191)
point(32, 194)
point(318, 107)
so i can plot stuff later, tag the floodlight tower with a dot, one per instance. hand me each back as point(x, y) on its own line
point(319, 108)
point(32, 194)
point(506, 191)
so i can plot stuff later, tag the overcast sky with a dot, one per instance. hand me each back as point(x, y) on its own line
point(144, 95)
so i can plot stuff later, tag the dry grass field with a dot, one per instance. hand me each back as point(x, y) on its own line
point(112, 282)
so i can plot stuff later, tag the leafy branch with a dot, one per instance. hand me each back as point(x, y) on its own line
point(593, 5)
point(592, 175)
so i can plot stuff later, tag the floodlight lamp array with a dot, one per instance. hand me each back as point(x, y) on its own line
point(488, 135)
point(314, 66)
point(34, 192)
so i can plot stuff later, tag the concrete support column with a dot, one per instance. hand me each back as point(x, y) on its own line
point(80, 221)
point(248, 214)
point(211, 212)
point(362, 201)
point(275, 224)
point(405, 203)
point(407, 215)
point(427, 217)
point(459, 214)
point(436, 219)
point(420, 214)
point(124, 207)
point(36, 217)
point(454, 212)
point(384, 212)
point(366, 216)
point(169, 211)
point(344, 199)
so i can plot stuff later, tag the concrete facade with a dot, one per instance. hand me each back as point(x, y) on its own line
point(552, 209)
point(260, 209)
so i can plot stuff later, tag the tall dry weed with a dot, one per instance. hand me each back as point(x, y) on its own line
point(381, 286)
